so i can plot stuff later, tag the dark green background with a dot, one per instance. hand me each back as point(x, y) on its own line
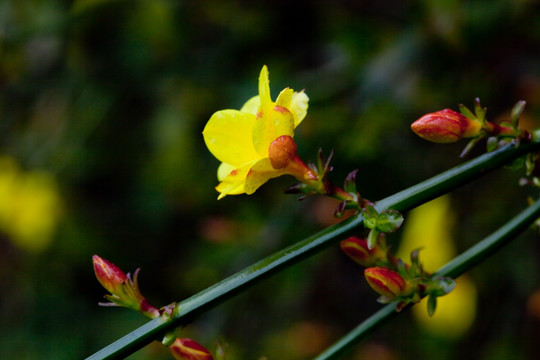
point(111, 97)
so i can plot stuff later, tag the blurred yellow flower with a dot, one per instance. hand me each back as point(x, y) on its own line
point(428, 226)
point(29, 205)
point(242, 139)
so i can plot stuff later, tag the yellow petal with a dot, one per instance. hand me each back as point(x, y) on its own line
point(260, 172)
point(252, 105)
point(223, 170)
point(274, 122)
point(264, 86)
point(299, 106)
point(233, 183)
point(284, 98)
point(228, 136)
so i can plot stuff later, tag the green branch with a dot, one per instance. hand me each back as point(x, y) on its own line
point(416, 195)
point(454, 268)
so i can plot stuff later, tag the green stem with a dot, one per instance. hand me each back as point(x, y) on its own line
point(454, 268)
point(416, 195)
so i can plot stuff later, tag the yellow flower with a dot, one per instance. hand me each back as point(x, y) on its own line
point(242, 139)
point(30, 205)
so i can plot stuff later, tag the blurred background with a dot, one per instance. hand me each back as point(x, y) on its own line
point(101, 110)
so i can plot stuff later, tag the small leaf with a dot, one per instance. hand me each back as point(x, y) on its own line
point(340, 209)
point(431, 304)
point(517, 110)
point(401, 267)
point(350, 182)
point(372, 239)
point(415, 256)
point(492, 143)
point(370, 217)
point(389, 221)
point(517, 163)
point(441, 286)
point(470, 145)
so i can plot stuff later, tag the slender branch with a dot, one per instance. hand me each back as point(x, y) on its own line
point(473, 256)
point(414, 196)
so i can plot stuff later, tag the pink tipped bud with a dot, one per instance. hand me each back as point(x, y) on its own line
point(445, 126)
point(187, 349)
point(357, 249)
point(109, 275)
point(124, 291)
point(386, 282)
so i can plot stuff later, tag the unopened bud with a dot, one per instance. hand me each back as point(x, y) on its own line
point(358, 250)
point(124, 290)
point(446, 126)
point(187, 349)
point(109, 275)
point(387, 283)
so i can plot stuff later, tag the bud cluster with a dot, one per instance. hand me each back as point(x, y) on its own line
point(124, 291)
point(391, 278)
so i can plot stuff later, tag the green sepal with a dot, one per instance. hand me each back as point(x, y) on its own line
point(466, 112)
point(431, 304)
point(479, 111)
point(389, 221)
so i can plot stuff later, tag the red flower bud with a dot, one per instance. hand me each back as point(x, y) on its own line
point(187, 349)
point(109, 275)
point(387, 283)
point(124, 291)
point(357, 249)
point(445, 126)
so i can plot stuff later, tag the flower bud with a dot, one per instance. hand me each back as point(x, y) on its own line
point(187, 349)
point(358, 250)
point(109, 275)
point(124, 291)
point(445, 126)
point(387, 283)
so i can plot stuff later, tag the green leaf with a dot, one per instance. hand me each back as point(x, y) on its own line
point(370, 217)
point(372, 238)
point(470, 145)
point(516, 164)
point(441, 286)
point(350, 182)
point(431, 304)
point(517, 110)
point(492, 144)
point(389, 221)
